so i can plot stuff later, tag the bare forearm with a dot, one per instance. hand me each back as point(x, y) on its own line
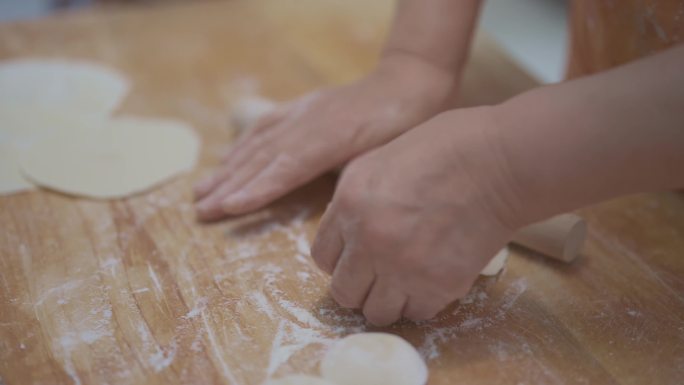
point(581, 142)
point(437, 32)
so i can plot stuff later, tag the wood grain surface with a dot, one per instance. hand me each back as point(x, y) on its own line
point(605, 33)
point(134, 291)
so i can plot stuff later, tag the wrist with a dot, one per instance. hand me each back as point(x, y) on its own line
point(427, 78)
point(471, 142)
point(542, 154)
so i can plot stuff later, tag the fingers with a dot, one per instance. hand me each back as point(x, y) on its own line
point(210, 207)
point(262, 124)
point(351, 281)
point(421, 309)
point(327, 247)
point(202, 188)
point(207, 185)
point(427, 300)
point(246, 145)
point(275, 180)
point(385, 302)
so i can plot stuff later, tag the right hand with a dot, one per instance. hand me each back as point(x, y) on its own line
point(321, 131)
point(413, 223)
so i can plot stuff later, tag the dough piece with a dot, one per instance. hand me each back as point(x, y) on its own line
point(38, 97)
point(32, 85)
point(22, 129)
point(247, 111)
point(374, 359)
point(299, 379)
point(115, 158)
point(496, 264)
point(11, 180)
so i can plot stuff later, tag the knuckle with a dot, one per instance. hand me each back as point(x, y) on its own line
point(348, 197)
point(351, 184)
point(381, 231)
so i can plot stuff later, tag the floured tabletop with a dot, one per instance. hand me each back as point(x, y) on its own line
point(136, 291)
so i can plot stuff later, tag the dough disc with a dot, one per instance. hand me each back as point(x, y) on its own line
point(35, 84)
point(116, 158)
point(11, 180)
point(374, 359)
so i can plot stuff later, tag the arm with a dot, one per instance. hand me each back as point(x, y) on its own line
point(414, 80)
point(413, 222)
point(435, 32)
point(611, 134)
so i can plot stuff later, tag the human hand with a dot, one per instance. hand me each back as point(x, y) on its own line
point(413, 223)
point(319, 132)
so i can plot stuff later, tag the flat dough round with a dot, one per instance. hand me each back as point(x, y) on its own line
point(22, 129)
point(39, 97)
point(32, 85)
point(374, 359)
point(299, 379)
point(11, 179)
point(115, 158)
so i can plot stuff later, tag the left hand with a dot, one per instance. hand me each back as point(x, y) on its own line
point(413, 223)
point(321, 131)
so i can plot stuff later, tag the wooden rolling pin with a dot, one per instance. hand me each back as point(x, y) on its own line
point(560, 237)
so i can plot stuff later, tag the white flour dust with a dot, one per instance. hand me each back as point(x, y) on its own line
point(267, 273)
point(436, 336)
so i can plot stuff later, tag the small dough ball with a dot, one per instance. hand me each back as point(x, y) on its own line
point(247, 111)
point(374, 359)
point(298, 379)
point(497, 263)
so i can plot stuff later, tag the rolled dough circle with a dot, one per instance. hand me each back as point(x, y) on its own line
point(374, 359)
point(111, 158)
point(32, 85)
point(11, 180)
point(299, 379)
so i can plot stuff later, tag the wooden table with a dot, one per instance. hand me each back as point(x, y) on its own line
point(135, 291)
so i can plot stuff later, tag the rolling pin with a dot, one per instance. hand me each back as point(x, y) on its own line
point(560, 237)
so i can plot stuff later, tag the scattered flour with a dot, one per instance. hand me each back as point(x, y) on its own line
point(199, 307)
point(436, 336)
point(298, 328)
point(163, 357)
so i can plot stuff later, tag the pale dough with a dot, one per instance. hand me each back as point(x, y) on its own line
point(11, 179)
point(31, 85)
point(114, 158)
point(56, 129)
point(20, 129)
point(374, 359)
point(496, 264)
point(299, 379)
